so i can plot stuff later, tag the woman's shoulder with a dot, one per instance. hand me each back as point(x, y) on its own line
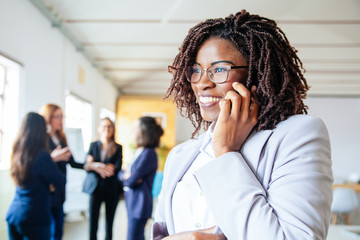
point(95, 144)
point(300, 126)
point(301, 121)
point(149, 151)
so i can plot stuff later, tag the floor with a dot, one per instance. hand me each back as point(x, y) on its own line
point(77, 227)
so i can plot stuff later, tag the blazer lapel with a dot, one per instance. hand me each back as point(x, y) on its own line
point(98, 151)
point(251, 151)
point(253, 148)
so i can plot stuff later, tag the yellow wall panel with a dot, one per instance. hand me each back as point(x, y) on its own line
point(130, 108)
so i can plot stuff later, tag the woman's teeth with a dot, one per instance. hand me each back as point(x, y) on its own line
point(209, 99)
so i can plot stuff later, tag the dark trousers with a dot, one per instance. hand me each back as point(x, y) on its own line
point(57, 222)
point(26, 232)
point(111, 202)
point(136, 228)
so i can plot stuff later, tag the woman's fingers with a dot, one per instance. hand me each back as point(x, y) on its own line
point(235, 103)
point(244, 96)
point(238, 116)
point(239, 101)
point(225, 108)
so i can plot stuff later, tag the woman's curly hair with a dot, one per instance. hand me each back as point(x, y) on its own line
point(274, 68)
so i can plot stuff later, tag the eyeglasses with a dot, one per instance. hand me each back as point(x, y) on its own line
point(216, 74)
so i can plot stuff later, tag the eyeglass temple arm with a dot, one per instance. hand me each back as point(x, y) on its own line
point(232, 67)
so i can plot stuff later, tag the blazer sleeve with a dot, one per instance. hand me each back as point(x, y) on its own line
point(116, 159)
point(50, 172)
point(143, 165)
point(295, 204)
point(72, 161)
point(75, 164)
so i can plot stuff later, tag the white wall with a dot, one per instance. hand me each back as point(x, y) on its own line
point(342, 118)
point(50, 67)
point(50, 60)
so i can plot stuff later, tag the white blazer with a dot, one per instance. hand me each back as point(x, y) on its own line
point(279, 186)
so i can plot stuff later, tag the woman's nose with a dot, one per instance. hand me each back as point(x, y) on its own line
point(205, 81)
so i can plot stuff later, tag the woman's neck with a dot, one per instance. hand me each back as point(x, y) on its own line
point(105, 142)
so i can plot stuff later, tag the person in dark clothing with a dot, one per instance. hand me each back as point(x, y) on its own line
point(103, 162)
point(138, 178)
point(60, 154)
point(33, 171)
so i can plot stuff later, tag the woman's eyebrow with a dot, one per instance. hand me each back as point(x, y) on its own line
point(214, 63)
point(222, 61)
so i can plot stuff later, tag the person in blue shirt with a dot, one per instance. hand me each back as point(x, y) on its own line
point(33, 172)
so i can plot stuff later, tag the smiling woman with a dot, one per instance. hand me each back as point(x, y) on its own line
point(262, 170)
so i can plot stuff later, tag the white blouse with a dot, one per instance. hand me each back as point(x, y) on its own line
point(190, 209)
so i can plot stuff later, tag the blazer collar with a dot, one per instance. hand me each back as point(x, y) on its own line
point(254, 146)
point(98, 144)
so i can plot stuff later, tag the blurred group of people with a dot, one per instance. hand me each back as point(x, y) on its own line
point(38, 167)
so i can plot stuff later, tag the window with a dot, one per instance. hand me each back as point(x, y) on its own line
point(78, 115)
point(2, 86)
point(9, 108)
point(78, 130)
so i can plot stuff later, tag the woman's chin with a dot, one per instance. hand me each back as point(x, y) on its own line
point(209, 116)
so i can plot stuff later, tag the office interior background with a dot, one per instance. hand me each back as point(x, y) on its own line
point(110, 58)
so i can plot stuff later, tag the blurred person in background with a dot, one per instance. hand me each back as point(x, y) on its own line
point(139, 176)
point(103, 162)
point(33, 171)
point(61, 154)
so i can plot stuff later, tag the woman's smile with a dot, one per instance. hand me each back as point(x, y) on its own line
point(209, 99)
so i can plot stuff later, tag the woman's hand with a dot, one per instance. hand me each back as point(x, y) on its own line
point(104, 170)
point(203, 234)
point(89, 159)
point(60, 154)
point(237, 117)
point(51, 188)
point(126, 175)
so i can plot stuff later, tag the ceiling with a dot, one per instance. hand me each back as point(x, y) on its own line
point(131, 42)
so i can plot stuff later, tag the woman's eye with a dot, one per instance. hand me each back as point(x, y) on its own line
point(219, 69)
point(197, 70)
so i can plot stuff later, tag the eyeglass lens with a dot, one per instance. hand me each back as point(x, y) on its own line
point(216, 74)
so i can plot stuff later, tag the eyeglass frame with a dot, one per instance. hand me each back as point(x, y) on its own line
point(203, 70)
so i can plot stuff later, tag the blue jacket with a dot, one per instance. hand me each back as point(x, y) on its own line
point(32, 202)
point(138, 197)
